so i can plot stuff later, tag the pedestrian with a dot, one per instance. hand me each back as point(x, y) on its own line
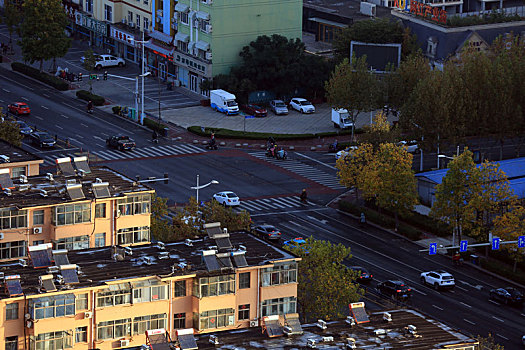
point(362, 219)
point(304, 196)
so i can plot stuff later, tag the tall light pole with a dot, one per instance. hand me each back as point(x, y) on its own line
point(142, 114)
point(212, 182)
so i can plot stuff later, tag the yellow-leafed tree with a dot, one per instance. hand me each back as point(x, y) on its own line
point(509, 227)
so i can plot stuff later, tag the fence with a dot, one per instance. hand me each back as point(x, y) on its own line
point(509, 11)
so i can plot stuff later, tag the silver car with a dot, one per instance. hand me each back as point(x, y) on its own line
point(278, 107)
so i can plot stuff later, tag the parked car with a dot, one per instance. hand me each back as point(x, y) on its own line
point(395, 289)
point(411, 146)
point(227, 198)
point(121, 142)
point(24, 128)
point(42, 139)
point(302, 105)
point(256, 111)
point(343, 153)
point(268, 232)
point(19, 108)
point(363, 276)
point(438, 279)
point(507, 295)
point(104, 61)
point(278, 107)
point(296, 242)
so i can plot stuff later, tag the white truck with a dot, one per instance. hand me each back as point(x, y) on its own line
point(223, 102)
point(341, 118)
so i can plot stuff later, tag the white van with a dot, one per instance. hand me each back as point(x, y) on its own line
point(223, 102)
point(341, 118)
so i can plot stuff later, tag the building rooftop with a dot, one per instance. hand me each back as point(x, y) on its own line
point(376, 334)
point(16, 154)
point(100, 266)
point(69, 185)
point(349, 10)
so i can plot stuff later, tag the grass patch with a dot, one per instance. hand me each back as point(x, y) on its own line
point(234, 134)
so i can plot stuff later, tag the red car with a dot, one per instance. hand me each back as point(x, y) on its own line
point(18, 108)
point(254, 110)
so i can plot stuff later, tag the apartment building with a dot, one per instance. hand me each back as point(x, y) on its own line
point(15, 161)
point(77, 208)
point(110, 297)
point(194, 40)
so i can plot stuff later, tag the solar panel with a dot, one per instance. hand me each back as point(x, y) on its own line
point(14, 288)
point(359, 313)
point(224, 259)
point(65, 166)
point(211, 262)
point(39, 257)
point(223, 243)
point(60, 257)
point(75, 191)
point(274, 329)
point(82, 164)
point(70, 275)
point(46, 281)
point(101, 190)
point(213, 229)
point(292, 321)
point(239, 259)
point(5, 180)
point(187, 342)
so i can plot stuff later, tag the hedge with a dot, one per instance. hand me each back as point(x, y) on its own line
point(44, 77)
point(503, 270)
point(234, 134)
point(154, 125)
point(87, 96)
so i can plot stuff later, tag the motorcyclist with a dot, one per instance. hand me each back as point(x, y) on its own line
point(155, 136)
point(456, 258)
point(272, 150)
point(362, 219)
point(271, 142)
point(281, 154)
point(333, 146)
point(304, 196)
point(90, 106)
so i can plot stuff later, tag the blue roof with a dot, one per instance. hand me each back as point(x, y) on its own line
point(513, 168)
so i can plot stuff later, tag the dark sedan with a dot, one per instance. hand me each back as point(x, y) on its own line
point(24, 128)
point(363, 276)
point(395, 289)
point(256, 111)
point(268, 232)
point(507, 295)
point(42, 139)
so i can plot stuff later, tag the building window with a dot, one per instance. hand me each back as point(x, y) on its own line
point(38, 217)
point(143, 323)
point(279, 274)
point(203, 25)
point(82, 301)
point(216, 318)
point(73, 243)
point(179, 321)
point(118, 294)
point(40, 241)
point(114, 329)
point(279, 306)
point(81, 335)
point(244, 312)
point(132, 235)
point(146, 2)
point(12, 218)
point(16, 172)
point(184, 18)
point(89, 6)
point(72, 214)
point(130, 17)
point(11, 311)
point(11, 250)
point(100, 210)
point(133, 205)
point(146, 20)
point(11, 343)
point(179, 289)
point(50, 307)
point(108, 13)
point(149, 290)
point(244, 280)
point(212, 286)
point(53, 340)
point(138, 21)
point(100, 239)
point(183, 46)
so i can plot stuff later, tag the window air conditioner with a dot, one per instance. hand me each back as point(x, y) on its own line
point(159, 19)
point(132, 25)
point(1, 235)
point(208, 55)
point(208, 28)
point(124, 342)
point(254, 323)
point(37, 230)
point(124, 20)
point(88, 314)
point(174, 25)
point(159, 13)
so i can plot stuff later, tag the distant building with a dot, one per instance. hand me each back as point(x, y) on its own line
point(18, 161)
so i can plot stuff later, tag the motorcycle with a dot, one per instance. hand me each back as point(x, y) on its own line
point(333, 147)
point(270, 152)
point(281, 154)
point(90, 110)
point(212, 146)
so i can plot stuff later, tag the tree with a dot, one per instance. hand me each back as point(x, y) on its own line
point(488, 343)
point(213, 211)
point(350, 167)
point(89, 64)
point(12, 18)
point(509, 226)
point(43, 31)
point(326, 286)
point(380, 131)
point(10, 132)
point(160, 228)
point(353, 87)
point(454, 193)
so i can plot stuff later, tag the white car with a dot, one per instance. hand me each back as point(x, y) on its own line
point(227, 198)
point(104, 61)
point(302, 105)
point(345, 152)
point(411, 146)
point(438, 279)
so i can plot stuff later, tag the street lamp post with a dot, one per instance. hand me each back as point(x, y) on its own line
point(142, 114)
point(200, 187)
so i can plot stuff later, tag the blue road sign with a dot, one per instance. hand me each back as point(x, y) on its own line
point(495, 243)
point(249, 117)
point(521, 242)
point(432, 249)
point(463, 246)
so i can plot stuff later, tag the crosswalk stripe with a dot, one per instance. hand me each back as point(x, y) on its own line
point(163, 151)
point(191, 148)
point(276, 203)
point(174, 149)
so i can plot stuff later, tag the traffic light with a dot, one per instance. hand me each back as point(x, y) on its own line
point(93, 77)
point(105, 75)
point(79, 76)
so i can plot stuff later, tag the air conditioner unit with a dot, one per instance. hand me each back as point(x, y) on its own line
point(159, 19)
point(159, 13)
point(174, 25)
point(124, 342)
point(37, 230)
point(88, 314)
point(1, 235)
point(124, 20)
point(196, 23)
point(208, 56)
point(132, 25)
point(254, 323)
point(209, 28)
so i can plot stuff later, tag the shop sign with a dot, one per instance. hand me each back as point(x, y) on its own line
point(122, 36)
point(188, 62)
point(402, 5)
point(424, 10)
point(91, 24)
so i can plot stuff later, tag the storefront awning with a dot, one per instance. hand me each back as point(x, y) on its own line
point(182, 8)
point(202, 45)
point(165, 38)
point(182, 37)
point(325, 21)
point(203, 15)
point(151, 46)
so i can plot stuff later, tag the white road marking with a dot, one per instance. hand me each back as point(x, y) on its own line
point(39, 118)
point(498, 319)
point(46, 95)
point(523, 315)
point(77, 135)
point(99, 138)
point(437, 307)
point(315, 160)
point(493, 302)
point(65, 116)
point(501, 336)
point(44, 107)
point(463, 289)
point(467, 305)
point(84, 125)
point(468, 321)
point(6, 90)
point(24, 98)
point(58, 126)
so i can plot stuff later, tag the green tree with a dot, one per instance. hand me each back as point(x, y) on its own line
point(43, 31)
point(161, 230)
point(12, 18)
point(350, 167)
point(10, 132)
point(89, 64)
point(353, 87)
point(509, 226)
point(326, 286)
point(488, 343)
point(213, 211)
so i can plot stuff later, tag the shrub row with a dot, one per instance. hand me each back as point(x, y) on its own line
point(503, 270)
point(154, 125)
point(234, 134)
point(44, 77)
point(87, 96)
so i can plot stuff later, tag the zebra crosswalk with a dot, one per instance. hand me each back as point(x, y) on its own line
point(274, 204)
point(148, 152)
point(302, 169)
